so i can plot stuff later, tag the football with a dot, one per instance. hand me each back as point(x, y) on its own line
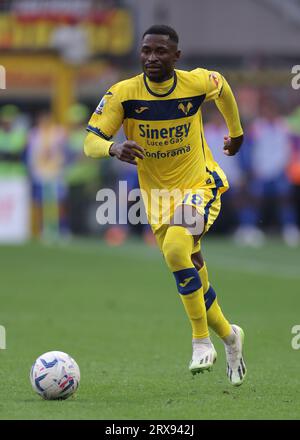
point(55, 375)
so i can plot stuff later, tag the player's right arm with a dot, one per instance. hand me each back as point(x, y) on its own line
point(103, 125)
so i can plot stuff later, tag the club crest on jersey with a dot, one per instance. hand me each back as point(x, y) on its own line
point(101, 104)
point(185, 108)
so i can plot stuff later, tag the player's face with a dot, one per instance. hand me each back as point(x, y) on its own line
point(158, 56)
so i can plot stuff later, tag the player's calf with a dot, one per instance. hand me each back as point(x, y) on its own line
point(177, 249)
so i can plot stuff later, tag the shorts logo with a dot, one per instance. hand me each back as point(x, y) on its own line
point(141, 109)
point(185, 108)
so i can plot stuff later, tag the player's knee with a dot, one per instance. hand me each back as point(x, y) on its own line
point(173, 252)
point(177, 248)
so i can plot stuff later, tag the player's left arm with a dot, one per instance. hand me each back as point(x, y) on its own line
point(219, 90)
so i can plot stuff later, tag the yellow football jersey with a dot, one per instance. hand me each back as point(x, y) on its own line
point(165, 119)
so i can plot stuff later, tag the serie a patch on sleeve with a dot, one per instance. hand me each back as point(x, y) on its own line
point(214, 78)
point(102, 103)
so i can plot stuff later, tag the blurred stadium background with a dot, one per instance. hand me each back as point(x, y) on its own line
point(60, 56)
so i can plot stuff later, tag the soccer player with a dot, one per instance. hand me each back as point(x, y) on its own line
point(160, 110)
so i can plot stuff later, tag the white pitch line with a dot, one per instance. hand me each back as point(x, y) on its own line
point(256, 267)
point(226, 262)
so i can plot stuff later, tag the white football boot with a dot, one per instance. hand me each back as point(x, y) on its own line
point(204, 356)
point(236, 368)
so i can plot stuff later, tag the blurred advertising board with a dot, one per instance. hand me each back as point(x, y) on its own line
point(38, 25)
point(14, 209)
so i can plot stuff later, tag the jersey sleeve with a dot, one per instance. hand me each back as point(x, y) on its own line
point(213, 83)
point(210, 83)
point(108, 116)
point(217, 88)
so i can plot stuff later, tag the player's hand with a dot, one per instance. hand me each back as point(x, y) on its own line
point(127, 151)
point(232, 145)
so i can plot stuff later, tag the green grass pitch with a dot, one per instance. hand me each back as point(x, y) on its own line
point(117, 312)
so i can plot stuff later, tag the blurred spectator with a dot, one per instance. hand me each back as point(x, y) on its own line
point(270, 186)
point(45, 161)
point(248, 98)
point(115, 235)
point(79, 170)
point(14, 184)
point(13, 138)
point(294, 165)
point(215, 130)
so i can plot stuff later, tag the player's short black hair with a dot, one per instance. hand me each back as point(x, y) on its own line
point(162, 29)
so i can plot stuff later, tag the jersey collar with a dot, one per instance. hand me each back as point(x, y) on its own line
point(164, 94)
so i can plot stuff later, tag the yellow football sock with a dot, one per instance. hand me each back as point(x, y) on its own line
point(215, 318)
point(177, 249)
